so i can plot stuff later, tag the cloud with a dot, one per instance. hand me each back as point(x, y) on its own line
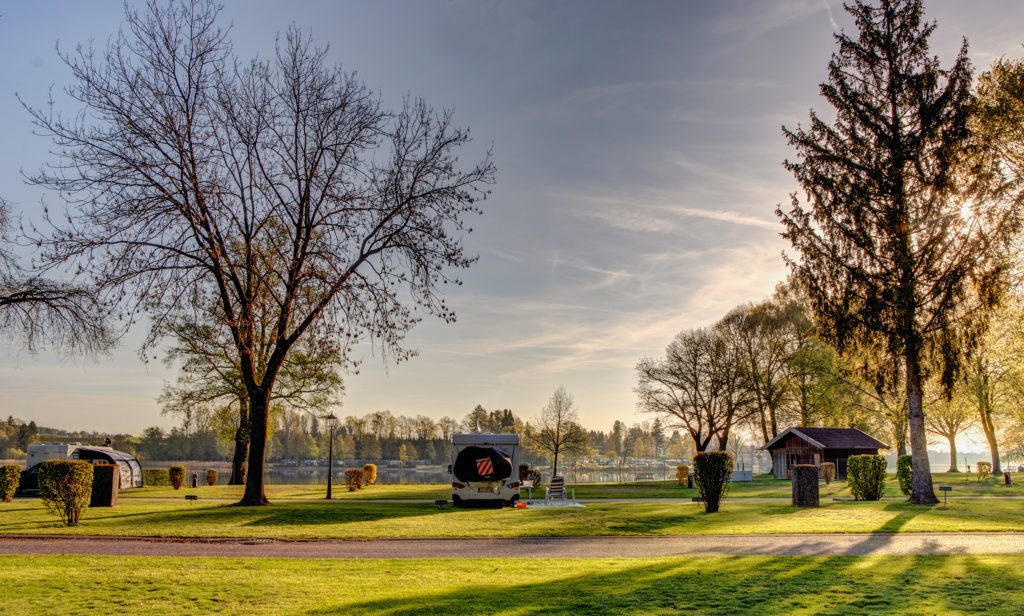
point(639, 216)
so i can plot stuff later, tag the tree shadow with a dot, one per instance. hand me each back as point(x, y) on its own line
point(835, 585)
point(182, 521)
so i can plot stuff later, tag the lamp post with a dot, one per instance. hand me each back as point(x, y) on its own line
point(332, 422)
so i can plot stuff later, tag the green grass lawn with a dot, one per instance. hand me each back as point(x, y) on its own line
point(761, 487)
point(725, 585)
point(306, 492)
point(363, 519)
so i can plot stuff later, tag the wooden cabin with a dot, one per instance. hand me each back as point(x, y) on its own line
point(816, 445)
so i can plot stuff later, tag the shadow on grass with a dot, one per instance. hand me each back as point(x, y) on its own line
point(736, 585)
point(208, 520)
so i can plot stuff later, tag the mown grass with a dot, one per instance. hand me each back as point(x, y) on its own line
point(959, 584)
point(304, 492)
point(761, 487)
point(362, 519)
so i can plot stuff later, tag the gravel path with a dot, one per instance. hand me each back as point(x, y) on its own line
point(550, 547)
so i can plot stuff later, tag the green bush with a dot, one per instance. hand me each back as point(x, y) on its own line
point(65, 487)
point(354, 479)
point(714, 471)
point(156, 477)
point(177, 476)
point(370, 474)
point(827, 470)
point(866, 476)
point(905, 474)
point(211, 476)
point(10, 477)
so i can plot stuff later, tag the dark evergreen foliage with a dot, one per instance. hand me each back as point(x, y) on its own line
point(885, 249)
point(714, 472)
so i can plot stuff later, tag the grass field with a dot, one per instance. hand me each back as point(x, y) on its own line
point(725, 585)
point(761, 487)
point(363, 519)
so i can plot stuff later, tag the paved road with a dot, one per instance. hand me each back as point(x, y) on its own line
point(561, 547)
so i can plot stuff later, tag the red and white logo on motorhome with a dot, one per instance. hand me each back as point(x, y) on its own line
point(484, 467)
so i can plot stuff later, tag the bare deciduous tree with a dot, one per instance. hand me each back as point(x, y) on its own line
point(557, 431)
point(210, 378)
point(699, 386)
point(185, 166)
point(38, 310)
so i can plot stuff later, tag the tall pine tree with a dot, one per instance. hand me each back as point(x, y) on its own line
point(889, 254)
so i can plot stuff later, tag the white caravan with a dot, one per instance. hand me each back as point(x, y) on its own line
point(131, 470)
point(485, 470)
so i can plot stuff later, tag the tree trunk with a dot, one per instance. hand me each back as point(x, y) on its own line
point(764, 432)
point(554, 467)
point(989, 428)
point(952, 455)
point(238, 461)
point(255, 483)
point(922, 493)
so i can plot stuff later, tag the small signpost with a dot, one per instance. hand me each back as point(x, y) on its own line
point(945, 493)
point(191, 497)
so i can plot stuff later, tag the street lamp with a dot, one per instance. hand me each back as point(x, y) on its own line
point(332, 422)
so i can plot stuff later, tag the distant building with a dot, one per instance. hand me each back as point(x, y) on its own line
point(816, 445)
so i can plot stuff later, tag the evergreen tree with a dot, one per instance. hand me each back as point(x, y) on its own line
point(885, 252)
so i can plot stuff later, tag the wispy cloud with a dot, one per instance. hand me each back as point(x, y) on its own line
point(633, 215)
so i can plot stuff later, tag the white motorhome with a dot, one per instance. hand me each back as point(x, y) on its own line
point(485, 470)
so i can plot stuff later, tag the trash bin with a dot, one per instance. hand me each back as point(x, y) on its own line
point(106, 479)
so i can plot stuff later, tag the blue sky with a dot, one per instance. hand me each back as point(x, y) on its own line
point(639, 160)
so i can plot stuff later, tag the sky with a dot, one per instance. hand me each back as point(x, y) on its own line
point(639, 158)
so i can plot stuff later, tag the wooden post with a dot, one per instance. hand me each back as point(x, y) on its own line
point(805, 485)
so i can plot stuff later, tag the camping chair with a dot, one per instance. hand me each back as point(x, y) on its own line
point(556, 489)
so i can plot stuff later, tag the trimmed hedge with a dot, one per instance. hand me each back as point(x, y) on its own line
point(827, 470)
point(65, 486)
point(714, 472)
point(370, 474)
point(177, 476)
point(905, 473)
point(682, 472)
point(866, 476)
point(354, 479)
point(211, 476)
point(156, 477)
point(10, 477)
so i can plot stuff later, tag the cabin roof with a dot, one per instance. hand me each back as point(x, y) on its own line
point(830, 438)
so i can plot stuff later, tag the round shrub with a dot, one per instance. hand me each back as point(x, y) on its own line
point(211, 476)
point(370, 474)
point(866, 476)
point(827, 471)
point(714, 471)
point(682, 472)
point(65, 487)
point(177, 476)
point(156, 477)
point(10, 477)
point(905, 473)
point(354, 479)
